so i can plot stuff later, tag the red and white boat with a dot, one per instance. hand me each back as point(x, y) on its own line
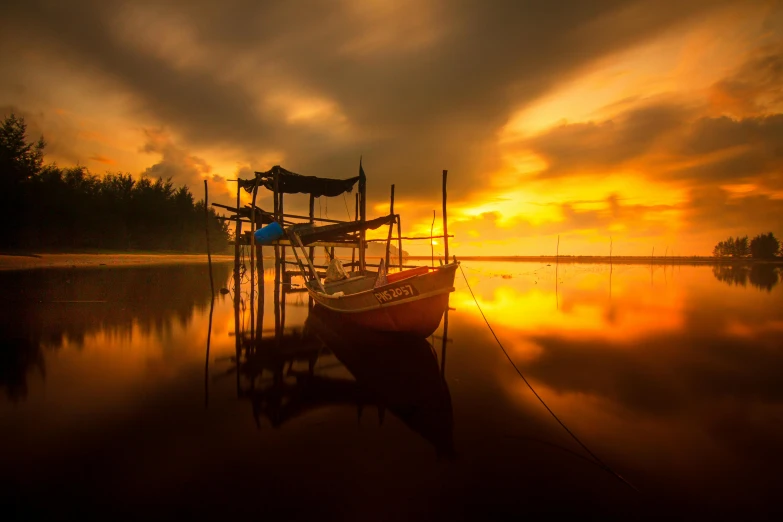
point(411, 301)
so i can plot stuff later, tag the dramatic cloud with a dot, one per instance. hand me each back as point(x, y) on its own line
point(414, 87)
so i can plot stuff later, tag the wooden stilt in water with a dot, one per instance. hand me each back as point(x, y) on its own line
point(237, 239)
point(399, 240)
point(391, 229)
point(276, 289)
point(363, 217)
point(253, 259)
point(356, 218)
point(206, 230)
point(311, 250)
point(432, 245)
point(261, 297)
point(237, 292)
point(282, 249)
point(445, 220)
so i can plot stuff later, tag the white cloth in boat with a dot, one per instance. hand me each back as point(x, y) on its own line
point(335, 271)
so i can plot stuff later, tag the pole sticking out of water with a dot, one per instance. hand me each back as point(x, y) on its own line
point(445, 221)
point(206, 229)
point(432, 246)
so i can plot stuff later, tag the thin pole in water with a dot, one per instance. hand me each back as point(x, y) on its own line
point(432, 245)
point(206, 229)
point(445, 220)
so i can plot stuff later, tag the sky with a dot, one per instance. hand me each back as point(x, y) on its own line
point(637, 124)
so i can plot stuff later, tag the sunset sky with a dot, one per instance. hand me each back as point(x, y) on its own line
point(656, 123)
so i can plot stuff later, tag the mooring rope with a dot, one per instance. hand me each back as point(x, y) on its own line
point(598, 461)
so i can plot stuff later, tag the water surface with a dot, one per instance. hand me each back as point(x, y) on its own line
point(110, 407)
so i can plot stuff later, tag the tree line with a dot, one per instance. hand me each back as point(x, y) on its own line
point(45, 207)
point(763, 246)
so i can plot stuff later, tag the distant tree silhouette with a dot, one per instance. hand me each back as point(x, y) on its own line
point(732, 247)
point(764, 246)
point(47, 207)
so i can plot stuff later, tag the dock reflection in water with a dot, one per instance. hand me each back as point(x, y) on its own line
point(390, 372)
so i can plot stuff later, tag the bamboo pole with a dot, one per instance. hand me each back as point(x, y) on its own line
point(356, 218)
point(253, 260)
point(391, 228)
point(206, 230)
point(237, 236)
point(432, 246)
point(445, 220)
point(276, 290)
point(363, 216)
point(311, 250)
point(282, 248)
point(399, 240)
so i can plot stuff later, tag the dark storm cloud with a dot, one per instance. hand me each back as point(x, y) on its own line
point(411, 111)
point(594, 147)
point(723, 149)
point(754, 85)
point(747, 213)
point(675, 141)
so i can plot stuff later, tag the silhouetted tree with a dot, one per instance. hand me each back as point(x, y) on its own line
point(732, 247)
point(20, 161)
point(47, 207)
point(764, 246)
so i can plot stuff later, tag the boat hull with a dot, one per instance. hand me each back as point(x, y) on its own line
point(413, 305)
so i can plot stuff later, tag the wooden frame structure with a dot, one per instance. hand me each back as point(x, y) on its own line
point(276, 180)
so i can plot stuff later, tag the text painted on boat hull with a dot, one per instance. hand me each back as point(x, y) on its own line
point(397, 292)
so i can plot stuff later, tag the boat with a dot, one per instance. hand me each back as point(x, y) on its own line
point(410, 301)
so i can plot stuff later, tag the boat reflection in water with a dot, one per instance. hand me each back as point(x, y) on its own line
point(393, 372)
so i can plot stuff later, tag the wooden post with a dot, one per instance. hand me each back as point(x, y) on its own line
point(353, 250)
point(445, 220)
point(432, 246)
point(282, 248)
point(276, 203)
point(363, 217)
point(261, 290)
point(253, 259)
point(399, 240)
point(391, 229)
point(237, 239)
point(209, 252)
point(311, 251)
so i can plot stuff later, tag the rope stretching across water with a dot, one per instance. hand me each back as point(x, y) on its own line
point(598, 461)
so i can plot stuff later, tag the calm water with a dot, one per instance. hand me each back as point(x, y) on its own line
point(109, 406)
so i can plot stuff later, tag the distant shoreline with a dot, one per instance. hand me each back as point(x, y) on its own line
point(30, 260)
point(619, 260)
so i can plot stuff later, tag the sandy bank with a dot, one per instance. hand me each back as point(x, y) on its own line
point(32, 261)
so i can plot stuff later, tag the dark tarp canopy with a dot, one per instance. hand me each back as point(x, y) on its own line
point(309, 233)
point(292, 183)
